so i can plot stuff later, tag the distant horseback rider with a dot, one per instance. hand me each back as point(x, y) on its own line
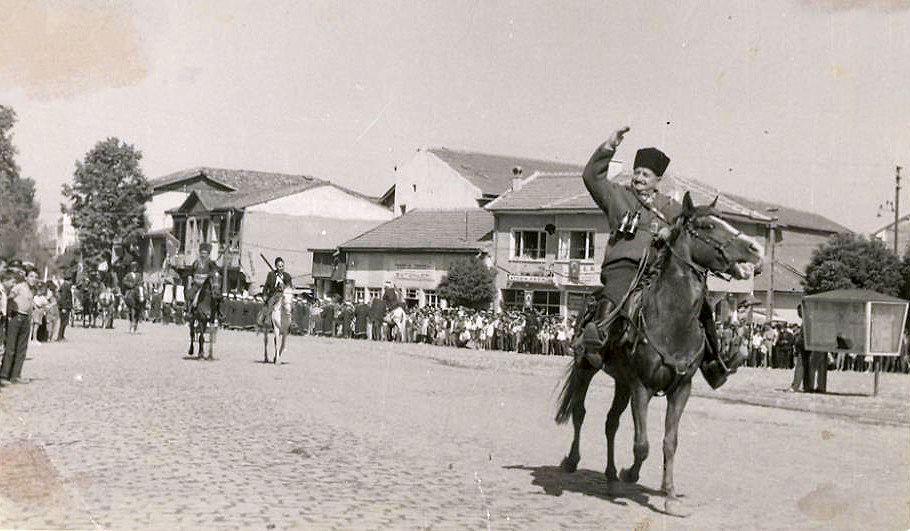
point(203, 268)
point(276, 281)
point(637, 213)
point(132, 279)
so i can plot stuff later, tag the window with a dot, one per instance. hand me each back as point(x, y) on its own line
point(360, 294)
point(180, 234)
point(547, 302)
point(375, 293)
point(529, 244)
point(432, 297)
point(410, 298)
point(576, 245)
point(513, 299)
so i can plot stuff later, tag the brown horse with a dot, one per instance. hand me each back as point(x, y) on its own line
point(205, 311)
point(659, 348)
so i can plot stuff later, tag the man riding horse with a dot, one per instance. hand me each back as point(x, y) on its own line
point(636, 213)
point(203, 268)
point(275, 283)
point(132, 294)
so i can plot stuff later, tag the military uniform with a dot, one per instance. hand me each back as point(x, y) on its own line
point(625, 249)
point(634, 220)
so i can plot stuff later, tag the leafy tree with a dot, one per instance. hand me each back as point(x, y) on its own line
point(468, 283)
point(851, 261)
point(107, 198)
point(18, 207)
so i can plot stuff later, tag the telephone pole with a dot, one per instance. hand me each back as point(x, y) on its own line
point(897, 199)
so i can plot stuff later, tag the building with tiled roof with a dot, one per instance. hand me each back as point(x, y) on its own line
point(886, 234)
point(446, 178)
point(414, 252)
point(243, 214)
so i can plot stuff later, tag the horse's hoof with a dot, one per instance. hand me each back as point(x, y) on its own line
point(674, 507)
point(611, 476)
point(569, 465)
point(627, 476)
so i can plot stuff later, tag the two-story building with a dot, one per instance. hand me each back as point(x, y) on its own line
point(247, 216)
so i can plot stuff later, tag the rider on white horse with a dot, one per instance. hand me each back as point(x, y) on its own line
point(277, 281)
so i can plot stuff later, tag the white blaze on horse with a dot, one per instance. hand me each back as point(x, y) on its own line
point(276, 319)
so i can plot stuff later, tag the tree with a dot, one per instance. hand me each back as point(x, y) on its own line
point(849, 261)
point(107, 198)
point(468, 283)
point(18, 207)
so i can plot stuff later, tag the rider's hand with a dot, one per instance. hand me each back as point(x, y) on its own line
point(616, 138)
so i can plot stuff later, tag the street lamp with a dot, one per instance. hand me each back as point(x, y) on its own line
point(772, 226)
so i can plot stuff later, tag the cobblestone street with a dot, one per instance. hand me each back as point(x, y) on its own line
point(120, 431)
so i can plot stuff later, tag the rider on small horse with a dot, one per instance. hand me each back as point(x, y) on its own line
point(203, 268)
point(636, 213)
point(133, 279)
point(275, 283)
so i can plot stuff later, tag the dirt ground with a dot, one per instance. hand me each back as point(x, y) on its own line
point(118, 431)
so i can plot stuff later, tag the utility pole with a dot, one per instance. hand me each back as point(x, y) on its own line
point(772, 227)
point(897, 199)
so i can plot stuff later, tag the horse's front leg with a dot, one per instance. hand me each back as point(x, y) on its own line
point(676, 403)
point(640, 398)
point(265, 346)
point(192, 337)
point(621, 395)
point(284, 338)
point(202, 327)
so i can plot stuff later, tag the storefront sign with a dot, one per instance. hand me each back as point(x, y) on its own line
point(414, 275)
point(532, 279)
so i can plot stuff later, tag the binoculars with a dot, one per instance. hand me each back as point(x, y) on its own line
point(629, 224)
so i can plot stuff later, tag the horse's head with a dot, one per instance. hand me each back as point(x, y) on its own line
point(714, 244)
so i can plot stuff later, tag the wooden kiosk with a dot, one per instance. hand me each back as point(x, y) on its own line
point(856, 321)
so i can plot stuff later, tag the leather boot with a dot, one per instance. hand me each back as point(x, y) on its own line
point(595, 334)
point(712, 366)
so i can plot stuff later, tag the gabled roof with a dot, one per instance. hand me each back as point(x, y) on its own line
point(493, 173)
point(231, 180)
point(791, 217)
point(566, 191)
point(212, 200)
point(859, 295)
point(443, 230)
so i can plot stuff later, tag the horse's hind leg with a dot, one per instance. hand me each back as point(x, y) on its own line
point(621, 395)
point(640, 398)
point(265, 346)
point(580, 378)
point(676, 403)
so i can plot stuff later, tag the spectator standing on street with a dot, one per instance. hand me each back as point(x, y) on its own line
point(19, 308)
point(64, 304)
point(361, 318)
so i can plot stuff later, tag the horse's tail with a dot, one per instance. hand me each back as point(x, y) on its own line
point(572, 391)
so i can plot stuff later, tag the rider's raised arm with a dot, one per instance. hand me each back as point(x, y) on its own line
point(602, 190)
point(595, 176)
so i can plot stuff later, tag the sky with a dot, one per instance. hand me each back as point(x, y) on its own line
point(804, 103)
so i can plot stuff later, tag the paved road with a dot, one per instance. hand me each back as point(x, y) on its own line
point(118, 431)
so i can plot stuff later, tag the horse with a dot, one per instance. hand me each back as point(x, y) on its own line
point(396, 319)
point(201, 314)
point(660, 347)
point(88, 297)
point(107, 303)
point(276, 318)
point(135, 302)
